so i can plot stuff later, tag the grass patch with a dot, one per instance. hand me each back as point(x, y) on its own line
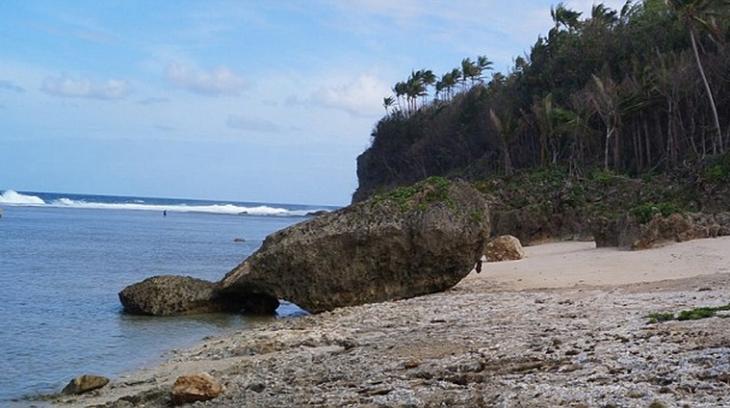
point(603, 176)
point(420, 195)
point(691, 314)
point(660, 317)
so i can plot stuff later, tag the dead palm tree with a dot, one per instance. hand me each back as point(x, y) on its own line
point(695, 15)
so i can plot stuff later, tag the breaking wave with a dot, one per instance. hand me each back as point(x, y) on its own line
point(11, 197)
point(14, 198)
point(213, 208)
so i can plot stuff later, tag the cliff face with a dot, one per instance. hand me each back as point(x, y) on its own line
point(447, 139)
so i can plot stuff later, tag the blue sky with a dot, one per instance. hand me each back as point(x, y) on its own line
point(236, 100)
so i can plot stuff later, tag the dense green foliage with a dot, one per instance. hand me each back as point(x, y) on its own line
point(623, 91)
point(554, 190)
point(646, 211)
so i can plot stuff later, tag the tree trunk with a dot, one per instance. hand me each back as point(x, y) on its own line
point(609, 132)
point(707, 87)
point(508, 169)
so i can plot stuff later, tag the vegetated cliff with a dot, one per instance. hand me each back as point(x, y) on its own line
point(553, 204)
point(622, 90)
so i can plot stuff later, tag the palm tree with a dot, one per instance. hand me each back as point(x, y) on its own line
point(694, 14)
point(400, 90)
point(388, 103)
point(439, 88)
point(415, 87)
point(506, 128)
point(428, 78)
point(605, 15)
point(455, 75)
point(606, 103)
point(563, 16)
point(484, 64)
point(543, 112)
point(468, 70)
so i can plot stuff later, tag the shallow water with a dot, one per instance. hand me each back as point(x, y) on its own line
point(60, 272)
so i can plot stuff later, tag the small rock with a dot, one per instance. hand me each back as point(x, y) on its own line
point(85, 383)
point(239, 240)
point(635, 394)
point(504, 248)
point(195, 387)
point(256, 387)
point(412, 363)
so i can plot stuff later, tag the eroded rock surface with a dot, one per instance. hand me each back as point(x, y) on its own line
point(409, 242)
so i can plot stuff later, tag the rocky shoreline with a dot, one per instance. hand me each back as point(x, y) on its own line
point(482, 343)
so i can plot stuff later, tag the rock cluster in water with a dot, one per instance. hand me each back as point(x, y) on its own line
point(412, 241)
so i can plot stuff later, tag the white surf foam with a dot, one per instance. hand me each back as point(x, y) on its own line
point(11, 197)
point(212, 209)
point(14, 198)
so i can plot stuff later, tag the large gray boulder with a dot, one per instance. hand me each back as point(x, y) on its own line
point(409, 242)
point(171, 295)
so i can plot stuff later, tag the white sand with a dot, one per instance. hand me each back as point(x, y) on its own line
point(567, 264)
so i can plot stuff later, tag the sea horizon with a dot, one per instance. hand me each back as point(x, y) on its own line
point(29, 198)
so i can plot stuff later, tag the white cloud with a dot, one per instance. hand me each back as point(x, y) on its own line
point(499, 29)
point(68, 87)
point(362, 96)
point(242, 122)
point(216, 82)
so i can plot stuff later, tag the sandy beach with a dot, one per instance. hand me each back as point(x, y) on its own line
point(568, 264)
point(567, 326)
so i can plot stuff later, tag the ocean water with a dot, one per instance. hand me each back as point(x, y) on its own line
point(64, 258)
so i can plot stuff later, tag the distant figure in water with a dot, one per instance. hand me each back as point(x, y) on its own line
point(164, 213)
